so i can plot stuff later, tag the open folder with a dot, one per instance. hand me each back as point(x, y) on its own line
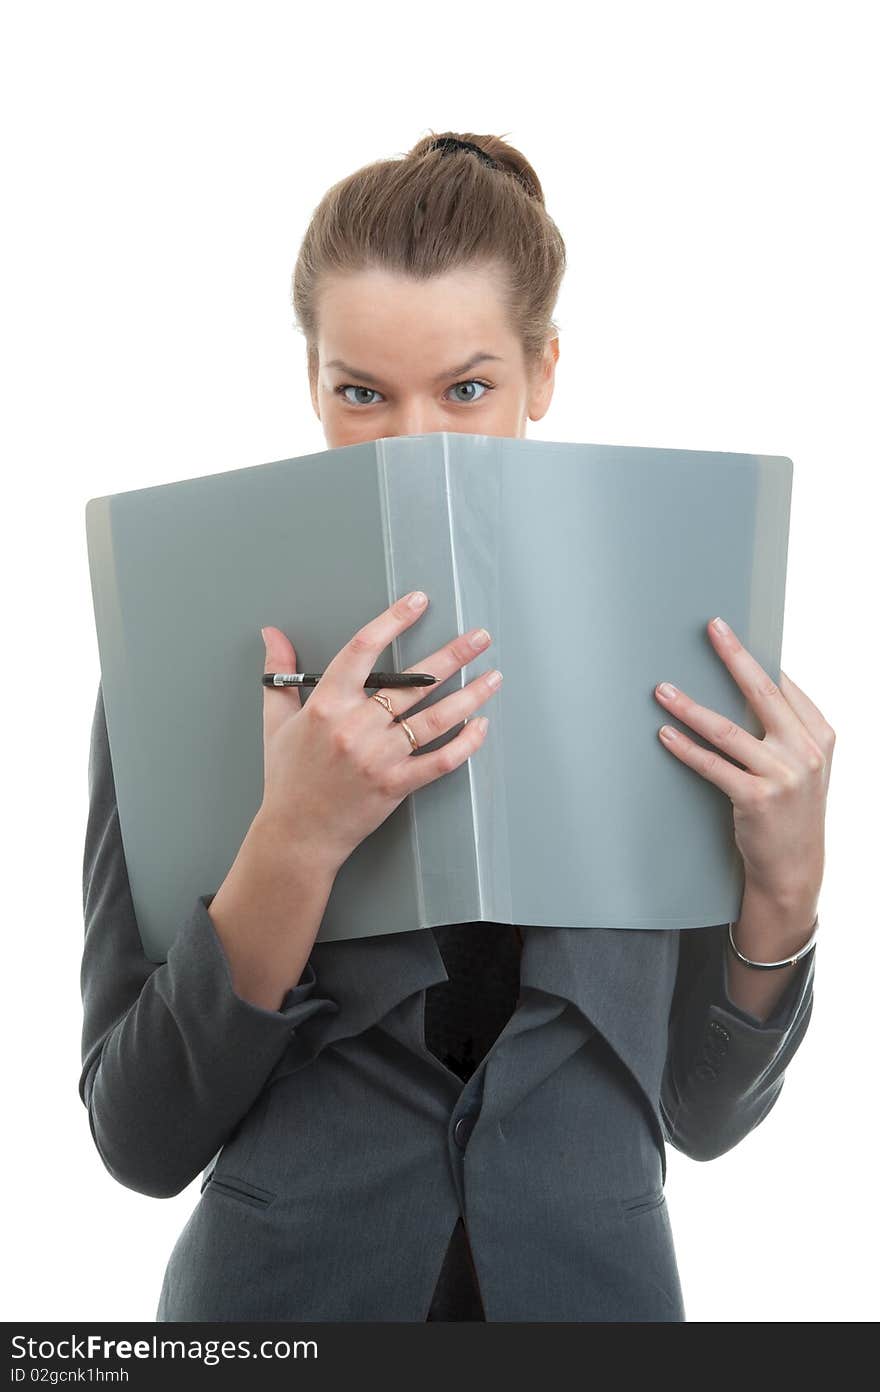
point(595, 568)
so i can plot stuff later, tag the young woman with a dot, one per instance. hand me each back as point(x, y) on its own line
point(467, 1122)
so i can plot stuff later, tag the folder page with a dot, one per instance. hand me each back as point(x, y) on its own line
point(596, 568)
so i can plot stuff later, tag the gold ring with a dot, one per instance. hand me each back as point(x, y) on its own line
point(398, 719)
point(377, 696)
point(409, 734)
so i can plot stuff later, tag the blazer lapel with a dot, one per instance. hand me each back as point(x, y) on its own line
point(620, 981)
point(365, 978)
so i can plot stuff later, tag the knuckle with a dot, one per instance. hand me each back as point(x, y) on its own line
point(387, 787)
point(764, 794)
point(360, 642)
point(447, 760)
point(816, 760)
point(343, 740)
point(432, 721)
point(712, 763)
point(727, 733)
point(316, 710)
point(461, 650)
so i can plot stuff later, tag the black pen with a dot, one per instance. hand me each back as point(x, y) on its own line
point(374, 679)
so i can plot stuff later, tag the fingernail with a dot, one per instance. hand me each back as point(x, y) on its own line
point(720, 626)
point(480, 638)
point(263, 636)
point(416, 599)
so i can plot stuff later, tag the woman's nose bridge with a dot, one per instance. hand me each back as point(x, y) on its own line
point(417, 420)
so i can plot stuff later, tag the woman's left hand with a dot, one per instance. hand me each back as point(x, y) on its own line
point(779, 803)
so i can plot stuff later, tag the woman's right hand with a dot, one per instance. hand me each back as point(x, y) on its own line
point(337, 767)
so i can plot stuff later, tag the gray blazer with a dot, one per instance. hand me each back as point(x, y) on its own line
point(338, 1152)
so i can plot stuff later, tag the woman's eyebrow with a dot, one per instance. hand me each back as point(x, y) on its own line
point(441, 376)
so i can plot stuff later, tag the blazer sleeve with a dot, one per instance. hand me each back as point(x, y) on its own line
point(172, 1057)
point(725, 1068)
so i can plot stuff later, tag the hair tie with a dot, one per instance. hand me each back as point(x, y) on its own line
point(447, 143)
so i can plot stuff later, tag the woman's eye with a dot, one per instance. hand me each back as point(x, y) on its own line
point(472, 383)
point(343, 390)
point(371, 391)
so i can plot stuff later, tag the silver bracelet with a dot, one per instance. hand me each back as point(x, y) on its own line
point(788, 961)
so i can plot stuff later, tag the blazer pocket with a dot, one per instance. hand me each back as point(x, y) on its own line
point(643, 1203)
point(240, 1189)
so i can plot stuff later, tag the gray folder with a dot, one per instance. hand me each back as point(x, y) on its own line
point(596, 569)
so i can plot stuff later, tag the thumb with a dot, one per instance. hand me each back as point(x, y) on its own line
point(279, 701)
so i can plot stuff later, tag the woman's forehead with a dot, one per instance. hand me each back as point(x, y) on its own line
point(443, 329)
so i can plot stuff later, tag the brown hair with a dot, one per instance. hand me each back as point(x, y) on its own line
point(432, 211)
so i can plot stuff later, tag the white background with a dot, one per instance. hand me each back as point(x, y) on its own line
point(711, 167)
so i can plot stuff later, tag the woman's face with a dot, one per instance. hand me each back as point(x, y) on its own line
point(402, 357)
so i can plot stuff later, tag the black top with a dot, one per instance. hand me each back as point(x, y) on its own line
point(463, 1018)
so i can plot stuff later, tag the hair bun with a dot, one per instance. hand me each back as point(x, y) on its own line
point(448, 143)
point(492, 150)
